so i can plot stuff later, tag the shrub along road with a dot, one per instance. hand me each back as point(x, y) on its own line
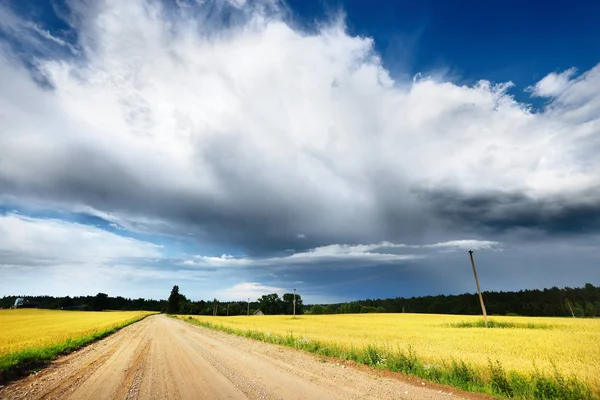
point(165, 358)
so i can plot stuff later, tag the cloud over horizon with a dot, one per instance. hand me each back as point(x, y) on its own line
point(228, 124)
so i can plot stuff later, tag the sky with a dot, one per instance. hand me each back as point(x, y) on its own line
point(347, 149)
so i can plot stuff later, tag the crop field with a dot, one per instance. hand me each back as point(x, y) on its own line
point(553, 348)
point(31, 335)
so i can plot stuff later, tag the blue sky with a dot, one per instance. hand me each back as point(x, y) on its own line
point(518, 41)
point(347, 149)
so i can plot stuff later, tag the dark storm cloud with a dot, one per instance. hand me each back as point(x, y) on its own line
point(501, 212)
point(258, 216)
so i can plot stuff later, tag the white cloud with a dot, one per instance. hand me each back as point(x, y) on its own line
point(324, 254)
point(157, 101)
point(350, 255)
point(225, 260)
point(384, 251)
point(466, 245)
point(244, 290)
point(56, 257)
point(578, 107)
point(237, 3)
point(116, 226)
point(553, 84)
point(34, 241)
point(47, 35)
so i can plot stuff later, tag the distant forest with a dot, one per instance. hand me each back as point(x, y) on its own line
point(582, 302)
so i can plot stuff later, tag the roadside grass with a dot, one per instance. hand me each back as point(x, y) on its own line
point(494, 381)
point(20, 363)
point(499, 324)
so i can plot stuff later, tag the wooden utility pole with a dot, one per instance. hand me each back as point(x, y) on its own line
point(294, 303)
point(248, 306)
point(228, 309)
point(570, 308)
point(478, 289)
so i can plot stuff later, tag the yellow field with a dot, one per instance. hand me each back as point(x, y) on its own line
point(572, 345)
point(32, 328)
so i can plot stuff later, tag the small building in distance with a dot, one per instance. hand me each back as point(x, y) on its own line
point(22, 303)
point(258, 312)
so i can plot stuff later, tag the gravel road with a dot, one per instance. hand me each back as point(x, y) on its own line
point(164, 358)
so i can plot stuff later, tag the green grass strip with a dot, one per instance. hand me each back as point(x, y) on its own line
point(499, 324)
point(18, 364)
point(496, 381)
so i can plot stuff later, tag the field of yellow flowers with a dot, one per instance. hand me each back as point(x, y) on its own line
point(526, 345)
point(29, 336)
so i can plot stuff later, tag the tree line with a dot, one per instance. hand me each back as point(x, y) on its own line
point(86, 303)
point(102, 302)
point(581, 302)
point(176, 304)
point(269, 304)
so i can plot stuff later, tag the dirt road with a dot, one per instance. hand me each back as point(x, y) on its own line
point(164, 358)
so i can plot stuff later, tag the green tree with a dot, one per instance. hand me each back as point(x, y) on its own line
point(368, 309)
point(317, 309)
point(173, 302)
point(590, 310)
point(215, 304)
point(578, 309)
point(187, 307)
point(100, 302)
point(235, 308)
point(67, 302)
point(331, 309)
point(350, 308)
point(271, 304)
point(288, 304)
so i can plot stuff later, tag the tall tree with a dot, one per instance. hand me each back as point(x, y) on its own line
point(271, 304)
point(100, 302)
point(173, 302)
point(288, 304)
